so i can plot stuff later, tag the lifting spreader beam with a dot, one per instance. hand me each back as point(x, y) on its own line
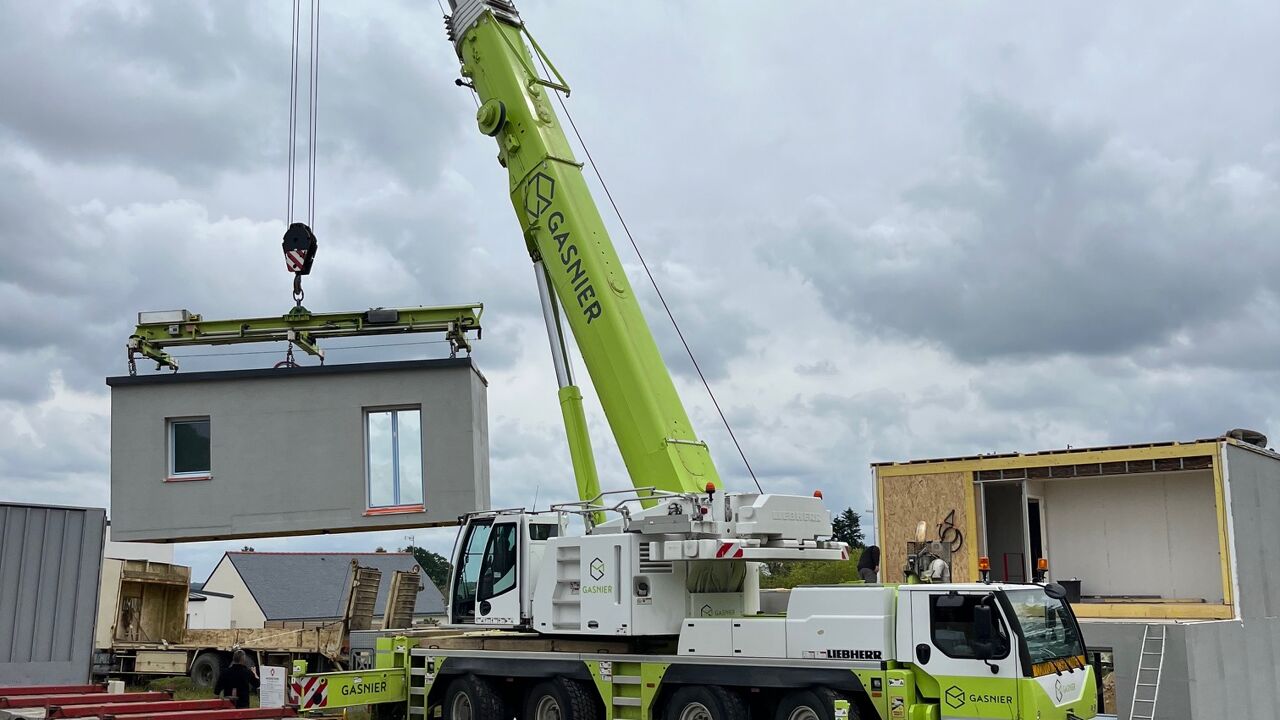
point(157, 331)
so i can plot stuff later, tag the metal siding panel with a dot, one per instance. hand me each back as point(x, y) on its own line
point(49, 562)
point(10, 580)
point(29, 579)
point(48, 585)
point(68, 560)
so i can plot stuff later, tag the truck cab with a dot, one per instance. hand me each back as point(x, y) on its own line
point(995, 650)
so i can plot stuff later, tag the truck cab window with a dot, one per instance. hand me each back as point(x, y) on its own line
point(952, 627)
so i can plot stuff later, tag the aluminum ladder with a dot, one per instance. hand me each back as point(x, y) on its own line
point(1146, 687)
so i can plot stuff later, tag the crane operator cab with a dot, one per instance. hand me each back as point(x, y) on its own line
point(492, 581)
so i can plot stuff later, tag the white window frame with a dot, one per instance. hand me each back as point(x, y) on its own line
point(169, 425)
point(396, 505)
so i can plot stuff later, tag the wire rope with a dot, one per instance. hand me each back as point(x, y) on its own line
point(293, 110)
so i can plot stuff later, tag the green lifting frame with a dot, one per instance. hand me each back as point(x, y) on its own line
point(159, 331)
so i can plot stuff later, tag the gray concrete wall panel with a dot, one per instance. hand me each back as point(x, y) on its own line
point(1253, 480)
point(50, 558)
point(1233, 668)
point(287, 449)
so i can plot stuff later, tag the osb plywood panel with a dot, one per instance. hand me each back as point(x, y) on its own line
point(944, 502)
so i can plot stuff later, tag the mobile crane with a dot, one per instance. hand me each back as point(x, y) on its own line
point(651, 611)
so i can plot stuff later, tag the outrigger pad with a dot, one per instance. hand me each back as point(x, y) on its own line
point(299, 248)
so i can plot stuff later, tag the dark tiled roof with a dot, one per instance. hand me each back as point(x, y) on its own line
point(300, 586)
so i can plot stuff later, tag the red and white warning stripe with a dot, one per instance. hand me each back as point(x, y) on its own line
point(294, 260)
point(309, 692)
point(729, 550)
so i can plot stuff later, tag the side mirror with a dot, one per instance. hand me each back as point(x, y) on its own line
point(1055, 591)
point(923, 652)
point(983, 627)
point(983, 636)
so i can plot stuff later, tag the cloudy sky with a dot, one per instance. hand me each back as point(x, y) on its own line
point(889, 230)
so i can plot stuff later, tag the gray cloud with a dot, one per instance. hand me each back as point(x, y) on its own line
point(1041, 238)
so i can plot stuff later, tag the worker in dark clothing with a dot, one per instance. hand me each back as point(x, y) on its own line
point(869, 564)
point(237, 681)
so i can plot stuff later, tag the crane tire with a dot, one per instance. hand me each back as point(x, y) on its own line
point(811, 704)
point(705, 702)
point(560, 699)
point(472, 698)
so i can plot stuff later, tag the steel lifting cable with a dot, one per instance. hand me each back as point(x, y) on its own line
point(299, 243)
point(312, 113)
point(653, 281)
point(293, 110)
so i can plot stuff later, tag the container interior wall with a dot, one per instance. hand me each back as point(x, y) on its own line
point(151, 612)
point(1151, 535)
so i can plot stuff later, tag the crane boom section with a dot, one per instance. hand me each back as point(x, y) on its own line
point(563, 228)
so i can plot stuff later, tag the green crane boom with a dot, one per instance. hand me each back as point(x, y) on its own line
point(571, 250)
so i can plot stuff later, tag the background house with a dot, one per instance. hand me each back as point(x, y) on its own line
point(270, 589)
point(207, 609)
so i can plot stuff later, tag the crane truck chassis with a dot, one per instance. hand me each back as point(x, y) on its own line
point(649, 610)
point(672, 633)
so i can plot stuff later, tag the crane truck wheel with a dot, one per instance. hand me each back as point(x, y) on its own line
point(810, 704)
point(704, 702)
point(471, 698)
point(206, 670)
point(560, 699)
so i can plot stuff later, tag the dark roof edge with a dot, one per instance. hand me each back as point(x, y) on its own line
point(1032, 456)
point(304, 371)
point(209, 593)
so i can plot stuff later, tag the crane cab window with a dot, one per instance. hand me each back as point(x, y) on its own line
point(498, 573)
point(189, 440)
point(953, 630)
point(466, 578)
point(393, 446)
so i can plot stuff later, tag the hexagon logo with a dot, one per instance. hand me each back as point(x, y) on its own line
point(538, 194)
point(597, 569)
point(955, 696)
point(706, 611)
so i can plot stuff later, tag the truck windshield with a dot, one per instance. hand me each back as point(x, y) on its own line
point(1048, 626)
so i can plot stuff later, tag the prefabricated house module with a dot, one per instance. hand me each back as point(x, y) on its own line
point(337, 448)
point(1165, 540)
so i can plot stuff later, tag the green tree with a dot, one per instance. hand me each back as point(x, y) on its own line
point(811, 572)
point(433, 564)
point(847, 528)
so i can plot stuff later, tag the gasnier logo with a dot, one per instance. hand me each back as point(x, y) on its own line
point(955, 697)
point(538, 194)
point(597, 569)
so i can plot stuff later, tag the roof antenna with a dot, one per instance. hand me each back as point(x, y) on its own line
point(534, 506)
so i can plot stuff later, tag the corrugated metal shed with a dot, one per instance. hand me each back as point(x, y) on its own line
point(50, 558)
